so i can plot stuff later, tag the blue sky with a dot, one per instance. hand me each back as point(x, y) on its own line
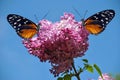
point(17, 64)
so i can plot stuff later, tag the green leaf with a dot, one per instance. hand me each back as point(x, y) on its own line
point(67, 77)
point(98, 70)
point(89, 68)
point(81, 70)
point(60, 78)
point(66, 72)
point(117, 77)
point(85, 60)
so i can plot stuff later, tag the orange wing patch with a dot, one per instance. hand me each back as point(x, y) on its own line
point(28, 33)
point(97, 23)
point(24, 27)
point(93, 28)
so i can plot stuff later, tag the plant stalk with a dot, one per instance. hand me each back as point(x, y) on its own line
point(76, 73)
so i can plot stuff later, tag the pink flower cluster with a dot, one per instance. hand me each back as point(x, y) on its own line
point(105, 77)
point(59, 43)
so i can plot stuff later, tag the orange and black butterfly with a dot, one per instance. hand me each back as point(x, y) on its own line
point(24, 27)
point(96, 23)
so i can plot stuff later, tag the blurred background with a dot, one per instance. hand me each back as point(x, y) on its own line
point(17, 64)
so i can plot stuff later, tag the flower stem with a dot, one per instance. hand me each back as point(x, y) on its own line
point(76, 73)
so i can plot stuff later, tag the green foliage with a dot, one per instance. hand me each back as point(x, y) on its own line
point(98, 70)
point(117, 77)
point(60, 78)
point(65, 77)
point(85, 60)
point(89, 68)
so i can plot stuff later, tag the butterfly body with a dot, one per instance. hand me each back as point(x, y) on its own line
point(24, 27)
point(96, 23)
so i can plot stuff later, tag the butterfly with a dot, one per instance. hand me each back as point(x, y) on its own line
point(24, 27)
point(96, 23)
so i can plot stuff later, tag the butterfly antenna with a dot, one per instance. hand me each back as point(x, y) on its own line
point(42, 17)
point(85, 14)
point(36, 17)
point(45, 15)
point(76, 11)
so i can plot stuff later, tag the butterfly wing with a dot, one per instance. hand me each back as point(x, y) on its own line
point(97, 22)
point(24, 27)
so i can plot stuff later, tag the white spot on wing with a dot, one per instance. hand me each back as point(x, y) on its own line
point(103, 24)
point(14, 26)
point(106, 18)
point(25, 22)
point(18, 29)
point(102, 15)
point(102, 20)
point(19, 25)
point(15, 16)
point(111, 13)
point(95, 17)
point(15, 23)
point(10, 18)
point(106, 22)
point(97, 13)
point(19, 20)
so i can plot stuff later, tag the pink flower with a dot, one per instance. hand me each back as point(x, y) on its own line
point(59, 43)
point(105, 77)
